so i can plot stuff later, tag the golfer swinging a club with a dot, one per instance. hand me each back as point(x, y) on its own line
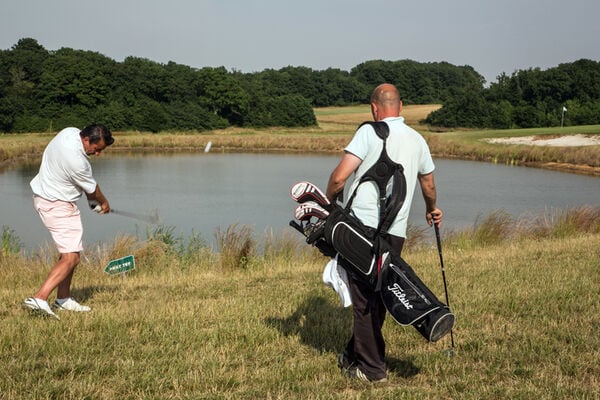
point(65, 174)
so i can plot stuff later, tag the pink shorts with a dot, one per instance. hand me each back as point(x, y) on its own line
point(63, 220)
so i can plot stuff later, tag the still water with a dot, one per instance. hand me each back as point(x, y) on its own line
point(199, 193)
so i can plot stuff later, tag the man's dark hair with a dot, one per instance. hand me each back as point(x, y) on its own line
point(97, 132)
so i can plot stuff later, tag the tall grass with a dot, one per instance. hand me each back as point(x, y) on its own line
point(236, 246)
point(287, 247)
point(500, 227)
point(9, 241)
point(526, 305)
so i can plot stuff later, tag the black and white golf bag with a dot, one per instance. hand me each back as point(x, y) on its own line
point(410, 302)
point(364, 253)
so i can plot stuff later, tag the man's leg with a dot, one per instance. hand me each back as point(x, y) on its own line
point(366, 348)
point(60, 276)
point(63, 221)
point(64, 224)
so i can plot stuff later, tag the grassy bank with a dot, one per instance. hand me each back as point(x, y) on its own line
point(188, 323)
point(473, 145)
point(335, 127)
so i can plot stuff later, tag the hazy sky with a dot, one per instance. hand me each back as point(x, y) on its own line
point(252, 35)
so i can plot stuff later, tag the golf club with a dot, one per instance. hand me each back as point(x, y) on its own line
point(439, 246)
point(310, 209)
point(306, 191)
point(151, 219)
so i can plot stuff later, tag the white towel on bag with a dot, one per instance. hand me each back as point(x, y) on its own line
point(336, 277)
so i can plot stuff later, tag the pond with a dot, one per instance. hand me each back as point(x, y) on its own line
point(198, 193)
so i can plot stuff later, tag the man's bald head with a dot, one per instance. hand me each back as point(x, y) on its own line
point(385, 102)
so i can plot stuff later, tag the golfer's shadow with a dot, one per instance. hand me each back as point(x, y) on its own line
point(326, 327)
point(86, 293)
point(318, 323)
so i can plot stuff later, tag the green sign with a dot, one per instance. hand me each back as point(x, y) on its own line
point(120, 265)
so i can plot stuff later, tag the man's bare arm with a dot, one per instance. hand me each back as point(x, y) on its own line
point(98, 196)
point(340, 175)
point(433, 214)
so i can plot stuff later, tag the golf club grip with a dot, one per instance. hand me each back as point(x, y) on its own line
point(297, 226)
point(437, 236)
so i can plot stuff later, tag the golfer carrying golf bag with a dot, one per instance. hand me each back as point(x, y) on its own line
point(364, 355)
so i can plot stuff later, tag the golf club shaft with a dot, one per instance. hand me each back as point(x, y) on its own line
point(439, 246)
point(140, 217)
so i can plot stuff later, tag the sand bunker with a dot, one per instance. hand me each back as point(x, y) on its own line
point(562, 141)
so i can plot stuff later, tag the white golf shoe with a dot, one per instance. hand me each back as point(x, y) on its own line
point(39, 306)
point(71, 305)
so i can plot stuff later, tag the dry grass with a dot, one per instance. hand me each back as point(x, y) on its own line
point(500, 227)
point(346, 119)
point(236, 246)
point(527, 316)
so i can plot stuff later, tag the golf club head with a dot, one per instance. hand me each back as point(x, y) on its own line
point(310, 209)
point(305, 191)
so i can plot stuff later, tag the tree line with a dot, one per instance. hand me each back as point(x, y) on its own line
point(568, 94)
point(43, 90)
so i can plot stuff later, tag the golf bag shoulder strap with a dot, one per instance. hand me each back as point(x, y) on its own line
point(380, 173)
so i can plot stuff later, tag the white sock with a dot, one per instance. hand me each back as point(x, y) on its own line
point(61, 301)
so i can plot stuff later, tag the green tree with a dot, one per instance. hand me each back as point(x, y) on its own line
point(26, 59)
point(76, 78)
point(114, 114)
point(533, 98)
point(20, 70)
point(150, 115)
point(290, 111)
point(139, 77)
point(191, 116)
point(465, 108)
point(222, 94)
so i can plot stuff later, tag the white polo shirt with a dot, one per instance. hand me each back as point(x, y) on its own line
point(404, 146)
point(65, 172)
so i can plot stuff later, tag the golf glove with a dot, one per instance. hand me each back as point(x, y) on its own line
point(95, 205)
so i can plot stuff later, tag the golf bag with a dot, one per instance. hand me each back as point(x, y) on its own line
point(355, 242)
point(366, 255)
point(410, 302)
